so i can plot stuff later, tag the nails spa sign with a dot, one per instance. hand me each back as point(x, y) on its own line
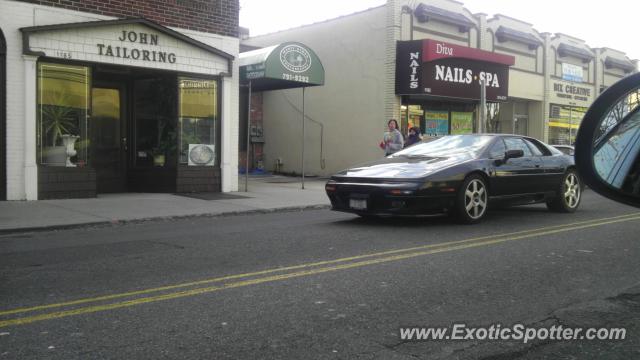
point(441, 69)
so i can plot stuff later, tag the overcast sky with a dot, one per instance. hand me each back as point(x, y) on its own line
point(601, 24)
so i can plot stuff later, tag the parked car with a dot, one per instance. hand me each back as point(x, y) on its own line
point(461, 175)
point(566, 149)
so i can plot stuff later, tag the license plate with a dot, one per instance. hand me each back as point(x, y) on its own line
point(358, 204)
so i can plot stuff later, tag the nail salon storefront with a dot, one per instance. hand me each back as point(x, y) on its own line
point(439, 84)
point(121, 105)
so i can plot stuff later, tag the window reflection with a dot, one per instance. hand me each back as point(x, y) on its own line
point(63, 97)
point(616, 157)
point(198, 113)
point(444, 146)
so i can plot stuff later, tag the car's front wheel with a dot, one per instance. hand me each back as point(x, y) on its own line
point(568, 195)
point(472, 200)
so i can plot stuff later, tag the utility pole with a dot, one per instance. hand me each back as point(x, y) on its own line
point(482, 119)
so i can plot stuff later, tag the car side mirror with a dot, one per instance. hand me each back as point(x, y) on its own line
point(608, 142)
point(512, 154)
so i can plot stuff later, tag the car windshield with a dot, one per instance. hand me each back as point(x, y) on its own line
point(446, 145)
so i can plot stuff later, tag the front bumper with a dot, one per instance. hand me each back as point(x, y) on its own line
point(378, 199)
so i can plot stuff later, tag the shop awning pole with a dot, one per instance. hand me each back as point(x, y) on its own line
point(246, 169)
point(483, 107)
point(303, 137)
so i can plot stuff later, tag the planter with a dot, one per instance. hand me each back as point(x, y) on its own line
point(158, 160)
point(69, 142)
point(54, 155)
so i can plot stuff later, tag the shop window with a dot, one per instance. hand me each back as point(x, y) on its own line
point(493, 118)
point(198, 120)
point(436, 123)
point(564, 122)
point(461, 123)
point(63, 98)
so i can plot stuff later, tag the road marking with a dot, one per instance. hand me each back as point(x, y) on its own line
point(427, 250)
point(293, 267)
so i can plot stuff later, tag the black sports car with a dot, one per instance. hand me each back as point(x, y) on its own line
point(461, 175)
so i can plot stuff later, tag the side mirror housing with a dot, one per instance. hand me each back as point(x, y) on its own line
point(607, 149)
point(512, 154)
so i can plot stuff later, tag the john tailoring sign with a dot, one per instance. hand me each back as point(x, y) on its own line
point(441, 69)
point(126, 42)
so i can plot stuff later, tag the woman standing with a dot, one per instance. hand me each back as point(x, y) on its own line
point(393, 140)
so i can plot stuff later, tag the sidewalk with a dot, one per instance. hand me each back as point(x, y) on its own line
point(266, 194)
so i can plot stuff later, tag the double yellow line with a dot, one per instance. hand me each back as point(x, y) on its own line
point(88, 305)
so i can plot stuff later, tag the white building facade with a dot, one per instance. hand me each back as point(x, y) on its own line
point(138, 105)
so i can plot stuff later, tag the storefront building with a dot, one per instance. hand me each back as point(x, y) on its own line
point(439, 84)
point(420, 63)
point(100, 104)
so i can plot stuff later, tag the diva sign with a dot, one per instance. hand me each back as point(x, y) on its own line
point(440, 69)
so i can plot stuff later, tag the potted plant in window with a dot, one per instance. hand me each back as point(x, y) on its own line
point(56, 122)
point(166, 146)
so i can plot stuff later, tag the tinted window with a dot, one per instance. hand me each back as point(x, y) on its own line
point(566, 150)
point(518, 144)
point(497, 150)
point(536, 145)
point(534, 148)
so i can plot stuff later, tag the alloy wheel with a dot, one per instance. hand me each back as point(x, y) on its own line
point(475, 199)
point(572, 190)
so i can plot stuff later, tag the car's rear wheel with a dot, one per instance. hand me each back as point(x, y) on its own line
point(568, 195)
point(472, 200)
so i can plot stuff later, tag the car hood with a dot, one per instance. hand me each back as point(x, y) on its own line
point(405, 167)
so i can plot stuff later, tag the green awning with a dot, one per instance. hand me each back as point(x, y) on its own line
point(284, 66)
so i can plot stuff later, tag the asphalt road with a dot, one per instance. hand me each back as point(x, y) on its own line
point(322, 285)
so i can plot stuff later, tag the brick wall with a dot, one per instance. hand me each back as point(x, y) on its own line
point(59, 182)
point(213, 16)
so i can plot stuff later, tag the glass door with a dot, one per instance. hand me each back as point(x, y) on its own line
point(109, 138)
point(520, 125)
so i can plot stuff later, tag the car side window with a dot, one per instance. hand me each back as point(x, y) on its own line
point(534, 149)
point(497, 150)
point(518, 144)
point(544, 151)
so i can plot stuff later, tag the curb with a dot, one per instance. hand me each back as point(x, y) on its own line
point(162, 218)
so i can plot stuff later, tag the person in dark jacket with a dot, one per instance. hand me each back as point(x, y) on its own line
point(414, 136)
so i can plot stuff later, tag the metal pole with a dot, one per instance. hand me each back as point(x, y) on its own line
point(303, 138)
point(483, 106)
point(570, 122)
point(246, 169)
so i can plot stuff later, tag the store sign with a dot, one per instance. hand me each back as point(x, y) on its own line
point(571, 72)
point(409, 67)
point(566, 92)
point(295, 58)
point(127, 51)
point(292, 62)
point(461, 78)
point(440, 69)
point(130, 44)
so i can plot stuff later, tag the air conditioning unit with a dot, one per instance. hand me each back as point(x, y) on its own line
point(202, 155)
